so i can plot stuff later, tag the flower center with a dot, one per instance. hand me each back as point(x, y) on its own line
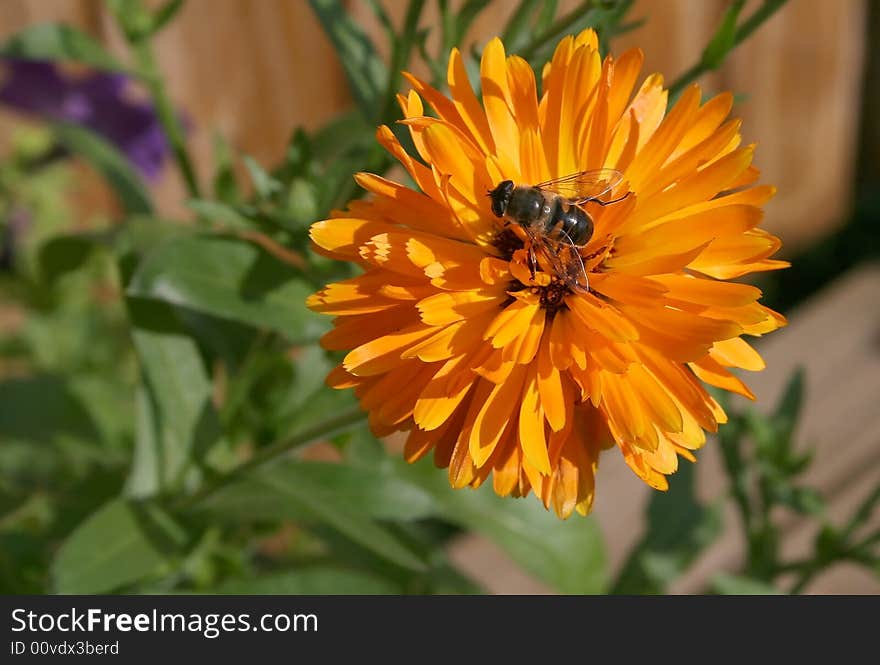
point(552, 296)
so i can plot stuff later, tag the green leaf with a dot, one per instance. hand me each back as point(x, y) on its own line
point(864, 512)
point(58, 41)
point(679, 529)
point(221, 213)
point(229, 278)
point(225, 183)
point(178, 416)
point(339, 136)
point(828, 543)
point(456, 23)
point(133, 17)
point(366, 73)
point(341, 498)
point(109, 162)
point(23, 562)
point(568, 555)
point(725, 37)
point(264, 184)
point(545, 17)
point(164, 15)
point(736, 585)
point(117, 546)
point(43, 409)
point(803, 500)
point(371, 494)
point(322, 580)
point(147, 476)
point(65, 253)
point(519, 25)
point(788, 410)
point(301, 206)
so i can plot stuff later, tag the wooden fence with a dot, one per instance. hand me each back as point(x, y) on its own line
point(253, 69)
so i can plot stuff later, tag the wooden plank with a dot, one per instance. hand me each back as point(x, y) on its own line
point(802, 74)
point(800, 78)
point(254, 70)
point(251, 71)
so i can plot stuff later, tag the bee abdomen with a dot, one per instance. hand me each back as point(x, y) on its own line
point(568, 220)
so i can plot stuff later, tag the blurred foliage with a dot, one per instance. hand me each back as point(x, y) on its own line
point(160, 378)
point(764, 465)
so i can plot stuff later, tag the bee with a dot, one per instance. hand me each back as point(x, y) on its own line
point(552, 215)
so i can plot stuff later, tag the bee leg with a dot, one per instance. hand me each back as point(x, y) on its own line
point(533, 262)
point(607, 203)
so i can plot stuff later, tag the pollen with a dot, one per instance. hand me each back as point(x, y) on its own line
point(552, 297)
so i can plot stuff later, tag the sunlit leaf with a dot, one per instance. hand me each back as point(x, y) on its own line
point(178, 415)
point(118, 545)
point(229, 278)
point(219, 213)
point(264, 492)
point(343, 498)
point(568, 555)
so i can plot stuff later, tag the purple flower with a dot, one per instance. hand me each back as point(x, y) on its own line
point(97, 100)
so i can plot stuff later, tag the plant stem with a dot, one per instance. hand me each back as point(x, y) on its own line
point(805, 578)
point(862, 514)
point(809, 569)
point(759, 16)
point(169, 119)
point(733, 466)
point(400, 54)
point(321, 430)
point(554, 30)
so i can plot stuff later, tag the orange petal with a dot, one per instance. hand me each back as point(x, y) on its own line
point(469, 108)
point(736, 352)
point(531, 425)
point(497, 101)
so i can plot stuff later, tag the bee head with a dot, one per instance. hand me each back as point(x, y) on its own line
point(500, 197)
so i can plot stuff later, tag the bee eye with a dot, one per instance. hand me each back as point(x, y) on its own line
point(497, 207)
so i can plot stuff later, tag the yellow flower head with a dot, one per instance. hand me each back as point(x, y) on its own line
point(486, 356)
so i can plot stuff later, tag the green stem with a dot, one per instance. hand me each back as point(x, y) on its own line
point(377, 162)
point(862, 514)
point(169, 119)
point(560, 26)
point(809, 569)
point(401, 51)
point(760, 15)
point(321, 430)
point(733, 466)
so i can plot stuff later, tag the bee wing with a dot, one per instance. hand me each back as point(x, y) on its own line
point(565, 258)
point(584, 185)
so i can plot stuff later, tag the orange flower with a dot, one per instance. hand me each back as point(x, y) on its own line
point(453, 341)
